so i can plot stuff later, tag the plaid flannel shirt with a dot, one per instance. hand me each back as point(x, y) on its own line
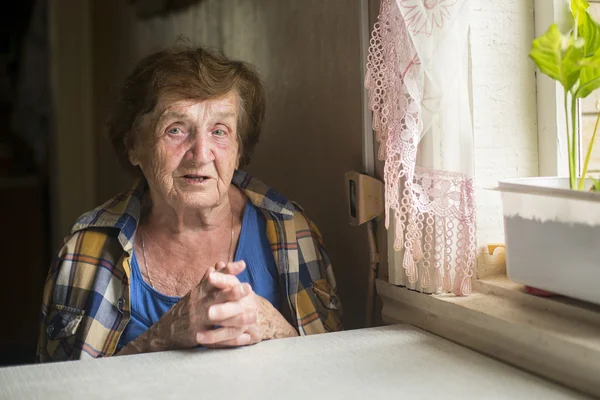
point(86, 296)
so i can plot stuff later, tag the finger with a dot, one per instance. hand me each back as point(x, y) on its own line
point(223, 281)
point(202, 285)
point(255, 333)
point(218, 335)
point(233, 294)
point(220, 265)
point(220, 312)
point(242, 340)
point(209, 271)
point(242, 320)
point(234, 268)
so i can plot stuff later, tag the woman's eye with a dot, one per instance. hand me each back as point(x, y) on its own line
point(174, 131)
point(219, 132)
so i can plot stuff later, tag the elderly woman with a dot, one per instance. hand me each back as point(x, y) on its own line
point(198, 252)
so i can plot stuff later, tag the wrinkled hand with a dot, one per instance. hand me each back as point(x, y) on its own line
point(252, 309)
point(267, 322)
point(264, 311)
point(236, 320)
point(219, 312)
point(211, 313)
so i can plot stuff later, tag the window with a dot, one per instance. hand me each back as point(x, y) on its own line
point(551, 136)
point(511, 140)
point(590, 109)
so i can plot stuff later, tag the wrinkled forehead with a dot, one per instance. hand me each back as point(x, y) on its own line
point(223, 107)
point(171, 107)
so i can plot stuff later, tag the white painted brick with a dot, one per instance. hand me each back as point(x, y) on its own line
point(504, 104)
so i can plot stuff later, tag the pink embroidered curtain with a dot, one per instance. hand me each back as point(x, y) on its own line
point(418, 83)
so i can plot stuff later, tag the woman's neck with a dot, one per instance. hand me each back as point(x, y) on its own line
point(175, 219)
point(158, 215)
point(173, 243)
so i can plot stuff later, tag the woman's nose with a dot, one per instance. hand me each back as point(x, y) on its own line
point(200, 150)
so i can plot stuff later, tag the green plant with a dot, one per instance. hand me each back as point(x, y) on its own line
point(573, 59)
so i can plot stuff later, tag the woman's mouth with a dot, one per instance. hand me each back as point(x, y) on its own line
point(195, 179)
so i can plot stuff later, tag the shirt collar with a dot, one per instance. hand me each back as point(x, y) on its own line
point(122, 212)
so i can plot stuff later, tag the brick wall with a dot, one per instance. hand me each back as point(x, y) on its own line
point(504, 104)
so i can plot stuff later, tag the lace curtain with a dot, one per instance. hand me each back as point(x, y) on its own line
point(418, 83)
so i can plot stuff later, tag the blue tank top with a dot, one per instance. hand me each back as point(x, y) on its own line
point(148, 305)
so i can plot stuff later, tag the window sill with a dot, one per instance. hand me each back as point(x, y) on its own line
point(558, 339)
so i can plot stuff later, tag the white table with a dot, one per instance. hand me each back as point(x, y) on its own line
point(395, 362)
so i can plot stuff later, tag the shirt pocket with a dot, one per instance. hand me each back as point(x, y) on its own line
point(323, 291)
point(63, 322)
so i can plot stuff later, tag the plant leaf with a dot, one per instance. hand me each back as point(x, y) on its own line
point(578, 10)
point(589, 76)
point(547, 53)
point(589, 30)
point(596, 186)
point(578, 7)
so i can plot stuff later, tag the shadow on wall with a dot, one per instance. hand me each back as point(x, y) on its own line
point(25, 124)
point(153, 8)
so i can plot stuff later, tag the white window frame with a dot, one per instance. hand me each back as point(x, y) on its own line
point(552, 145)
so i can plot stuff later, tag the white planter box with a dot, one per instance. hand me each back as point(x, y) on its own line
point(552, 236)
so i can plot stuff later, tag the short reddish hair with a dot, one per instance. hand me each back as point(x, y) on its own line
point(186, 73)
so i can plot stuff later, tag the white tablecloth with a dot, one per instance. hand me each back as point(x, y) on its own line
point(395, 362)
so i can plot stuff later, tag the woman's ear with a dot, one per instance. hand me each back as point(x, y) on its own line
point(133, 156)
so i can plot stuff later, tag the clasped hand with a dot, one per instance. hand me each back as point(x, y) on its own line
point(219, 312)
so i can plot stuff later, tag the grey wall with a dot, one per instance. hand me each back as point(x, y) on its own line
point(72, 152)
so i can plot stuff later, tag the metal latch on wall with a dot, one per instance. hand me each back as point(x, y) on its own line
point(365, 199)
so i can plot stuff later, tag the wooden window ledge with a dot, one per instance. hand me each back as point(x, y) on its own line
point(556, 338)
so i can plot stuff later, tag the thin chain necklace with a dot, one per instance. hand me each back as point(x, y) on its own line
point(230, 255)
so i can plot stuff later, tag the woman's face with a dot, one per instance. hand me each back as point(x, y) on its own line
point(192, 154)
